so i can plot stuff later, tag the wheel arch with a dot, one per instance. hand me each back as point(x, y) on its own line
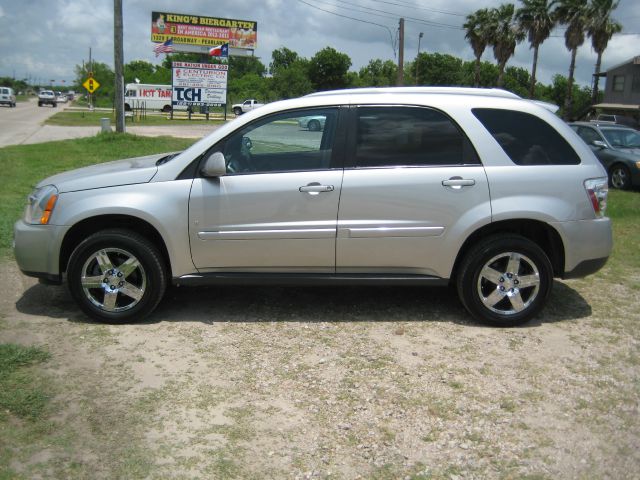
point(88, 226)
point(541, 233)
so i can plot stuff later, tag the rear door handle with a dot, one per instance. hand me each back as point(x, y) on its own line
point(316, 188)
point(458, 182)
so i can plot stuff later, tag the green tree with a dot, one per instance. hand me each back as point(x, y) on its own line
point(488, 74)
point(282, 58)
point(241, 66)
point(536, 19)
point(140, 69)
point(600, 28)
point(437, 69)
point(292, 81)
point(328, 69)
point(504, 35)
point(572, 14)
point(378, 73)
point(477, 33)
point(517, 80)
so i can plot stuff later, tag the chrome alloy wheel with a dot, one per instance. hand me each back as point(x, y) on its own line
point(508, 283)
point(113, 280)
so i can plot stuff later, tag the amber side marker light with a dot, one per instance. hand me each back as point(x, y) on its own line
point(44, 219)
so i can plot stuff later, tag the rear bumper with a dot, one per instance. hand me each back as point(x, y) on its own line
point(587, 245)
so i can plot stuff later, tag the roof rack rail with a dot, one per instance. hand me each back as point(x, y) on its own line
point(493, 92)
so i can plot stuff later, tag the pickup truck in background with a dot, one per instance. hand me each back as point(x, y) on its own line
point(47, 97)
point(246, 106)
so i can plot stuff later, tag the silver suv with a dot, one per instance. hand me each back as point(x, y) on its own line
point(472, 188)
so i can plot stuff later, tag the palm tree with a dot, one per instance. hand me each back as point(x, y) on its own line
point(534, 17)
point(476, 27)
point(573, 14)
point(601, 27)
point(504, 35)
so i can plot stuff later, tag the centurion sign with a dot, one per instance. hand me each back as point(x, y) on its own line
point(194, 33)
point(196, 84)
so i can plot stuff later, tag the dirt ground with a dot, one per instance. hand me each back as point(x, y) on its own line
point(334, 383)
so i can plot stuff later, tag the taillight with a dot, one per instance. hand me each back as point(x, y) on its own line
point(597, 190)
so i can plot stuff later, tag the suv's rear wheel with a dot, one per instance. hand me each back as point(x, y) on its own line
point(116, 276)
point(505, 280)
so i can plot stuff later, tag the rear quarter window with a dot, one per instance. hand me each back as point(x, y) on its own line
point(525, 138)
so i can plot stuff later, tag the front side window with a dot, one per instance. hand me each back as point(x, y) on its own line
point(589, 135)
point(408, 136)
point(293, 141)
point(525, 138)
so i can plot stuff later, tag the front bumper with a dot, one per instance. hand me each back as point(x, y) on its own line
point(588, 244)
point(37, 249)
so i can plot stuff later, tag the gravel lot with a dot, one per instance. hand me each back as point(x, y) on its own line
point(334, 383)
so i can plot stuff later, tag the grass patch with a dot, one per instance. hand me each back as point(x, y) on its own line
point(624, 210)
point(92, 119)
point(21, 391)
point(23, 166)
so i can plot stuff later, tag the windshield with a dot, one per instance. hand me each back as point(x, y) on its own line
point(624, 138)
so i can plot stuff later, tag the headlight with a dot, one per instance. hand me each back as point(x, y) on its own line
point(40, 205)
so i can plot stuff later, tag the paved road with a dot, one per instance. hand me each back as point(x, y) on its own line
point(24, 125)
point(18, 125)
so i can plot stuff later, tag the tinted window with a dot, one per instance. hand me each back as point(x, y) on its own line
point(589, 135)
point(526, 139)
point(292, 141)
point(406, 136)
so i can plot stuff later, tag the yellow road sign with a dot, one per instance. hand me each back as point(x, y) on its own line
point(91, 84)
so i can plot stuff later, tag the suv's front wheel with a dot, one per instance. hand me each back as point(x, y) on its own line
point(505, 280)
point(116, 276)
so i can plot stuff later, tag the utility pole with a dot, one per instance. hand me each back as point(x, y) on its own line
point(119, 64)
point(418, 56)
point(90, 75)
point(400, 81)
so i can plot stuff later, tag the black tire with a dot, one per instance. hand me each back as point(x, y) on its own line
point(127, 107)
point(39, 104)
point(166, 109)
point(314, 126)
point(54, 105)
point(620, 177)
point(237, 111)
point(510, 261)
point(146, 279)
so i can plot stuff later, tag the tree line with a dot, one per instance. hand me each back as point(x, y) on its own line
point(289, 75)
point(503, 27)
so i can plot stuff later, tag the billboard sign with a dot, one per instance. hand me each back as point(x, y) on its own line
point(198, 84)
point(203, 31)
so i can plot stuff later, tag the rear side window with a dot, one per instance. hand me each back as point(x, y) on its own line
point(526, 139)
point(409, 136)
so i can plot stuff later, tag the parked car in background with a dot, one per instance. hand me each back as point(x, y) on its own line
point(7, 97)
point(61, 97)
point(618, 119)
point(618, 149)
point(47, 97)
point(313, 124)
point(477, 189)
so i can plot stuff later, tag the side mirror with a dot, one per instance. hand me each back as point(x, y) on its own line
point(599, 144)
point(214, 166)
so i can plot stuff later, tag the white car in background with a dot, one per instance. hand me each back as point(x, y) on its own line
point(313, 123)
point(61, 97)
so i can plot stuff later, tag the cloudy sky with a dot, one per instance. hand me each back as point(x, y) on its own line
point(45, 39)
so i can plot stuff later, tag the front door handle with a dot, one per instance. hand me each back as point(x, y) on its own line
point(315, 188)
point(458, 182)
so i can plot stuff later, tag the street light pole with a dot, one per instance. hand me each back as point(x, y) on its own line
point(418, 56)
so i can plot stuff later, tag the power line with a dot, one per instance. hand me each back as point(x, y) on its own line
point(415, 7)
point(396, 15)
point(355, 19)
